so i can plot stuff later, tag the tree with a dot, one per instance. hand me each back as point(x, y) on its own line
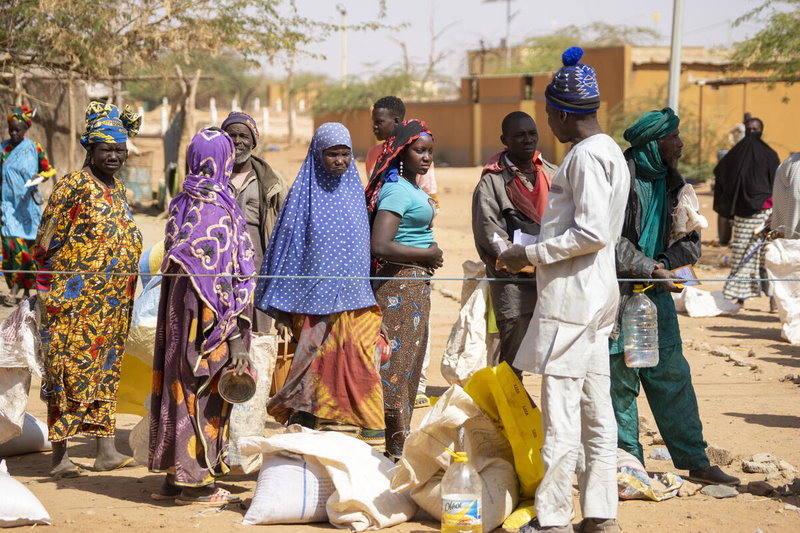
point(775, 48)
point(543, 53)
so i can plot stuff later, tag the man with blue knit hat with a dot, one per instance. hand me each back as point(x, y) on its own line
point(567, 340)
point(649, 249)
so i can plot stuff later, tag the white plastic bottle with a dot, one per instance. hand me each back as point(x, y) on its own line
point(640, 330)
point(461, 497)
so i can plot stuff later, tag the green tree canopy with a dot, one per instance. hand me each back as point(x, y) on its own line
point(775, 48)
point(544, 51)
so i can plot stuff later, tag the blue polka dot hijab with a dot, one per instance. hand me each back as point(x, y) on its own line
point(322, 230)
point(574, 88)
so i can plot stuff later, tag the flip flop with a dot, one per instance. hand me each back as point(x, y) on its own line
point(71, 472)
point(218, 497)
point(129, 462)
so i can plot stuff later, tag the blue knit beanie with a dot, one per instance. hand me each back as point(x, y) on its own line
point(574, 87)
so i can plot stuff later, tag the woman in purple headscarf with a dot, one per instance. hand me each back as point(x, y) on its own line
point(203, 326)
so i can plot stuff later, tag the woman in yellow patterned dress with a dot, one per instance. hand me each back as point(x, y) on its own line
point(87, 227)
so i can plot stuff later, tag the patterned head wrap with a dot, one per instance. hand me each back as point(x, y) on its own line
point(574, 87)
point(238, 117)
point(643, 137)
point(386, 167)
point(105, 124)
point(207, 234)
point(22, 114)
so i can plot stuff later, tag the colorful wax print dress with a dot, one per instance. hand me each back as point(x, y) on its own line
point(86, 227)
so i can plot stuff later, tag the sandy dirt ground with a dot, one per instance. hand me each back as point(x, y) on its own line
point(744, 410)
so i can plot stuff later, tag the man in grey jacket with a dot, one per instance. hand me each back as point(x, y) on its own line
point(511, 196)
point(259, 191)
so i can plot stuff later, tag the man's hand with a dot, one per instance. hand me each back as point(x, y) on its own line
point(660, 272)
point(513, 259)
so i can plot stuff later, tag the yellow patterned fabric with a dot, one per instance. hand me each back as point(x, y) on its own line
point(86, 227)
point(22, 114)
point(105, 124)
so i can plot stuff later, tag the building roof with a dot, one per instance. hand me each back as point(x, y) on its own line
point(690, 55)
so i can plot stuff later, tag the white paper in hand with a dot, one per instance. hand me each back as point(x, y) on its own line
point(34, 181)
point(500, 242)
point(524, 239)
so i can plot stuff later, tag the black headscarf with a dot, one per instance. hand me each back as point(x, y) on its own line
point(744, 177)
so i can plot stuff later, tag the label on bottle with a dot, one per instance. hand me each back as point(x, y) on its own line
point(461, 514)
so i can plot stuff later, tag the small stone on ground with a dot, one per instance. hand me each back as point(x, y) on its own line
point(720, 491)
point(689, 489)
point(760, 488)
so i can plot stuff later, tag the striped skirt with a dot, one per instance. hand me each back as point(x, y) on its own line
point(746, 261)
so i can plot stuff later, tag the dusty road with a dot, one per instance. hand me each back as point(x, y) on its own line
point(746, 411)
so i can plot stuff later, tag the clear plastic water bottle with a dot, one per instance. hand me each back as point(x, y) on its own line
point(461, 497)
point(640, 330)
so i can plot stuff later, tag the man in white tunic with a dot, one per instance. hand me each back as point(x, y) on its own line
point(567, 340)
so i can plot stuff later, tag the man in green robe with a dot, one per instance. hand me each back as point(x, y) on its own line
point(645, 252)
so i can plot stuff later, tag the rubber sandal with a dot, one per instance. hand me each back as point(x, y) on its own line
point(129, 462)
point(218, 497)
point(72, 472)
point(421, 401)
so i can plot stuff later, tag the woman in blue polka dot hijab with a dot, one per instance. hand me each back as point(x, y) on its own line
point(319, 256)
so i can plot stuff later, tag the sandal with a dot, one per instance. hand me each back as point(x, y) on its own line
point(218, 497)
point(421, 401)
point(128, 462)
point(71, 472)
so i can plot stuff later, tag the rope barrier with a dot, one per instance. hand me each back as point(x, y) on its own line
point(377, 278)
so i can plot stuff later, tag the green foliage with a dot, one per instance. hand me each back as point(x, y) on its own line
point(360, 94)
point(700, 147)
point(543, 52)
point(776, 47)
point(99, 39)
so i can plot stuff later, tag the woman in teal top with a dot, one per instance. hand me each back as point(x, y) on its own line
point(403, 247)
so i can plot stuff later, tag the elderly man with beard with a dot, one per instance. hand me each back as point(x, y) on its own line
point(644, 252)
point(259, 191)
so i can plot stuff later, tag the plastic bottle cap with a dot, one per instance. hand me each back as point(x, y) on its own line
point(638, 287)
point(460, 457)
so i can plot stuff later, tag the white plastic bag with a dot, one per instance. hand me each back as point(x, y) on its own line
point(19, 338)
point(699, 303)
point(290, 490)
point(782, 259)
point(139, 439)
point(14, 386)
point(425, 458)
point(249, 418)
point(362, 498)
point(18, 505)
point(33, 438)
point(141, 342)
point(686, 217)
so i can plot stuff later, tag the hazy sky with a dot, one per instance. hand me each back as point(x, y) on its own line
point(706, 23)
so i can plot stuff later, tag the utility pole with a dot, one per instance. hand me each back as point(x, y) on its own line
point(343, 13)
point(674, 88)
point(509, 16)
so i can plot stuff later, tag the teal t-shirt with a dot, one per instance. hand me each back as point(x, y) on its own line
point(415, 209)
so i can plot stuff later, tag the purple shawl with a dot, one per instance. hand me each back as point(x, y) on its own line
point(207, 234)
